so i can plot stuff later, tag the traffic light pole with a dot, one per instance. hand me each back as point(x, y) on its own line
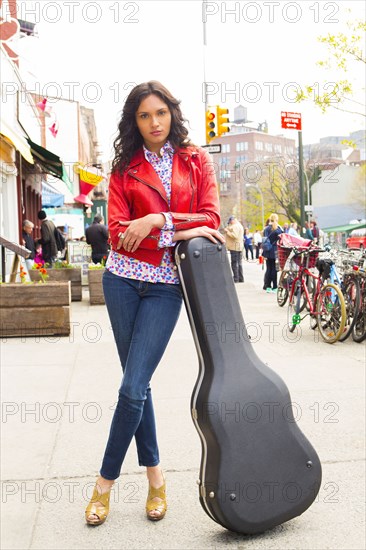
point(301, 183)
point(204, 56)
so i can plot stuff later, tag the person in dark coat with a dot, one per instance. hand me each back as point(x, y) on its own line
point(315, 231)
point(48, 239)
point(28, 240)
point(97, 236)
point(272, 231)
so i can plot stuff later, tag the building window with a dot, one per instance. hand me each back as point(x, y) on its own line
point(269, 147)
point(259, 145)
point(242, 146)
point(225, 148)
point(278, 148)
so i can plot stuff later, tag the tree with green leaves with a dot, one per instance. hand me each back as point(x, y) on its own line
point(343, 50)
point(280, 187)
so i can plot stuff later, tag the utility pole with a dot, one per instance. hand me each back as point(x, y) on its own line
point(301, 183)
point(204, 53)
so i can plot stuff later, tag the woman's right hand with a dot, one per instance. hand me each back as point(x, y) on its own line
point(212, 234)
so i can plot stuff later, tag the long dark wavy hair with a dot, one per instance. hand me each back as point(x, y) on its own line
point(129, 139)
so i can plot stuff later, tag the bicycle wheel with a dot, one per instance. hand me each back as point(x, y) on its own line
point(331, 313)
point(359, 329)
point(352, 298)
point(282, 288)
point(293, 311)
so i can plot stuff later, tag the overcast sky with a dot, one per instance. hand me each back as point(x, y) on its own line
point(257, 54)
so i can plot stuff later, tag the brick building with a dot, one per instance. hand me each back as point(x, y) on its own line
point(244, 154)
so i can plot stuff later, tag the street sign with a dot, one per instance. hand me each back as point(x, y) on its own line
point(290, 121)
point(308, 208)
point(213, 148)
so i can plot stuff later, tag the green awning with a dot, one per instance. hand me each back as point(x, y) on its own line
point(51, 163)
point(343, 228)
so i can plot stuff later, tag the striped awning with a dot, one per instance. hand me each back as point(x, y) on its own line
point(18, 140)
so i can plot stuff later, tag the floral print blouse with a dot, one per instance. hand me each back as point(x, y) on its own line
point(124, 266)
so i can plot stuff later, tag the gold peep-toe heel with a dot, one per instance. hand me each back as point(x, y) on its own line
point(99, 510)
point(160, 506)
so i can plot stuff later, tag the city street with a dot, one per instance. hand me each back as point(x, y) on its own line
point(58, 397)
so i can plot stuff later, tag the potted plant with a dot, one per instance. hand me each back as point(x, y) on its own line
point(95, 274)
point(35, 308)
point(60, 271)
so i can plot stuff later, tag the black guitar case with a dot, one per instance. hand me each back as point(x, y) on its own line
point(258, 470)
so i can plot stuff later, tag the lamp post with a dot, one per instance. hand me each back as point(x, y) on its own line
point(261, 194)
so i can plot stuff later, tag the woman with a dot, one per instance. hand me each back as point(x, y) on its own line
point(162, 190)
point(248, 239)
point(293, 230)
point(271, 233)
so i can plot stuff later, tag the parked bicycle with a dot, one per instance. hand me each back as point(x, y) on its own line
point(359, 327)
point(290, 270)
point(325, 306)
point(349, 286)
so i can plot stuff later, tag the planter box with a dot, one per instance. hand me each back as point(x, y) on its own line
point(35, 309)
point(62, 275)
point(96, 295)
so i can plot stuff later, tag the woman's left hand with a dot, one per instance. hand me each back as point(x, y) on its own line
point(138, 229)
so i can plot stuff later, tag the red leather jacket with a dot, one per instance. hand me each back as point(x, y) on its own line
point(139, 191)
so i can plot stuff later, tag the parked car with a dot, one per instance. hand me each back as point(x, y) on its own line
point(357, 239)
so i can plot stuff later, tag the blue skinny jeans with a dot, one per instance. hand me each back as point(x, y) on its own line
point(143, 316)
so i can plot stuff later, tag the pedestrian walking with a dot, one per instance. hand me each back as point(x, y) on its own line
point(248, 244)
point(257, 241)
point(97, 236)
point(234, 233)
point(48, 238)
point(293, 230)
point(271, 234)
point(315, 231)
point(308, 232)
point(162, 190)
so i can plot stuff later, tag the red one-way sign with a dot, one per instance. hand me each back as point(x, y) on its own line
point(291, 120)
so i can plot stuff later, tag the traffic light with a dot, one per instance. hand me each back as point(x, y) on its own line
point(222, 120)
point(210, 126)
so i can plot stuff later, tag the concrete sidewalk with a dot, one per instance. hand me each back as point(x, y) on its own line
point(58, 397)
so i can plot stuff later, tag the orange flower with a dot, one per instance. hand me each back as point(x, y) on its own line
point(44, 271)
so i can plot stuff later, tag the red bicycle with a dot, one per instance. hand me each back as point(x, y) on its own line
point(325, 302)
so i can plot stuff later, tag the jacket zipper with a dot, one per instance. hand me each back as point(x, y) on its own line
point(197, 218)
point(192, 186)
point(151, 186)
